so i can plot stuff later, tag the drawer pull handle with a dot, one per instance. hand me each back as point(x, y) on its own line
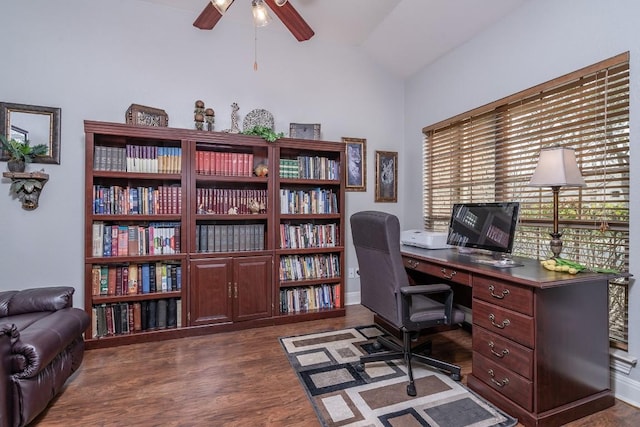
point(502, 325)
point(504, 293)
point(447, 276)
point(502, 354)
point(502, 383)
point(413, 263)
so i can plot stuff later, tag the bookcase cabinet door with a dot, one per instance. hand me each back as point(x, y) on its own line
point(252, 287)
point(211, 291)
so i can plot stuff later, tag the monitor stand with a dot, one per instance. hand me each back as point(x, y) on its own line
point(494, 259)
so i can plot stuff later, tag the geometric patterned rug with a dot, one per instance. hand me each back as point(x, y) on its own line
point(342, 396)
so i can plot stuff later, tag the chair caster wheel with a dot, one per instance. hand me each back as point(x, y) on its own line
point(360, 367)
point(456, 377)
point(411, 390)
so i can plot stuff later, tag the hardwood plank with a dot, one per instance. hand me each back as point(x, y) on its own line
point(239, 378)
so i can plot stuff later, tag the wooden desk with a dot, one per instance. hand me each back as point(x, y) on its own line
point(540, 338)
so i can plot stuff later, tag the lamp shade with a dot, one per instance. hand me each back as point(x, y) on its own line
point(557, 167)
point(260, 15)
point(221, 5)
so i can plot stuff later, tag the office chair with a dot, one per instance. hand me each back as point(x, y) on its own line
point(385, 290)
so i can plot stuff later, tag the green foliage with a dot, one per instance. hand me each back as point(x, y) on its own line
point(265, 133)
point(22, 150)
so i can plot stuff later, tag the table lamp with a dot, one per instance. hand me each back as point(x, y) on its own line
point(557, 167)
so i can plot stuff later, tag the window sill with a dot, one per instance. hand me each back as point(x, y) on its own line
point(621, 361)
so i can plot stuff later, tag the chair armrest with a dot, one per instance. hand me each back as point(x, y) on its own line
point(43, 340)
point(37, 299)
point(408, 292)
point(425, 289)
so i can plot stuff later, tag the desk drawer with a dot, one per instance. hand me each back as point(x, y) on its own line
point(507, 383)
point(442, 272)
point(504, 294)
point(504, 352)
point(504, 322)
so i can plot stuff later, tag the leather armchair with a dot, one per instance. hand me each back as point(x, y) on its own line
point(41, 345)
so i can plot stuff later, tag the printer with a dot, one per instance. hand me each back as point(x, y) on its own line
point(424, 239)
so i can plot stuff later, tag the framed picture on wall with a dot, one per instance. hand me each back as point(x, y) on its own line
point(356, 170)
point(386, 176)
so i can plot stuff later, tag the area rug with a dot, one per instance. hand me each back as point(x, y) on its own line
point(341, 396)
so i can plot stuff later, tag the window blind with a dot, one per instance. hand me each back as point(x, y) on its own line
point(490, 153)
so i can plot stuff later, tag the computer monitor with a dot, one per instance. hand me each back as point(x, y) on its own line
point(486, 226)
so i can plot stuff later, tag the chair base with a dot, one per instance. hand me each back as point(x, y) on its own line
point(409, 353)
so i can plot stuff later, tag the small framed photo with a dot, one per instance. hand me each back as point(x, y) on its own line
point(386, 176)
point(304, 130)
point(146, 116)
point(356, 169)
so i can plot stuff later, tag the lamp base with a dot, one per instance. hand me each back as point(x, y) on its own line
point(556, 244)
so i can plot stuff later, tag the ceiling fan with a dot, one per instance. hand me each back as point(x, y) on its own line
point(290, 17)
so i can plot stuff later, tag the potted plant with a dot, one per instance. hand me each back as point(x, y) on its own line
point(21, 153)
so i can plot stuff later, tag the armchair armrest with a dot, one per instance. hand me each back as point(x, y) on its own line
point(36, 299)
point(38, 344)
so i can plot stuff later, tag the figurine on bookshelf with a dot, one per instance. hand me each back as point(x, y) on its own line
point(198, 115)
point(233, 211)
point(209, 117)
point(234, 119)
point(256, 207)
point(261, 170)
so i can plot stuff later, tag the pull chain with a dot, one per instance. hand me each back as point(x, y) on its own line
point(255, 49)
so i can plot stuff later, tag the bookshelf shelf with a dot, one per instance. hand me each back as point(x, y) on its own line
point(204, 188)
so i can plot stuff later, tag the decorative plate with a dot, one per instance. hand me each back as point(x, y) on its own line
point(257, 117)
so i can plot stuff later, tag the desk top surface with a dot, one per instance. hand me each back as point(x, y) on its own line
point(526, 271)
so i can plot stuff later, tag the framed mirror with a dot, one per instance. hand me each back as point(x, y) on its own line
point(39, 125)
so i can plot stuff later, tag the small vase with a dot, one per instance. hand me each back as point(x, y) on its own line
point(16, 165)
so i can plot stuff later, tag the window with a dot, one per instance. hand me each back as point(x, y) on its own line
point(490, 153)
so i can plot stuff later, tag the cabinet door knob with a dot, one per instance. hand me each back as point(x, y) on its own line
point(499, 296)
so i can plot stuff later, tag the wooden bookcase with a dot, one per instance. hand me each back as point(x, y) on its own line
point(238, 250)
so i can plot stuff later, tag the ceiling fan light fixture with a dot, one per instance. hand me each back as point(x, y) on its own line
point(260, 15)
point(221, 5)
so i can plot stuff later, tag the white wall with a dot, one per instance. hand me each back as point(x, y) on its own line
point(94, 59)
point(540, 41)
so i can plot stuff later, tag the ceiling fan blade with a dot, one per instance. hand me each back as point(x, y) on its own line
point(209, 17)
point(292, 20)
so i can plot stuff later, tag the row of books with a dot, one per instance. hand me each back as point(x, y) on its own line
point(295, 236)
point(118, 200)
point(310, 167)
point(156, 238)
point(138, 158)
point(126, 318)
point(314, 201)
point(224, 163)
point(135, 279)
point(293, 300)
point(218, 201)
point(229, 238)
point(314, 266)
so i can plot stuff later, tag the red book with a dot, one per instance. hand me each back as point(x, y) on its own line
point(218, 163)
point(111, 281)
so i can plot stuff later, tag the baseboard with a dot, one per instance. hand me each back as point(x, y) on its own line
point(625, 389)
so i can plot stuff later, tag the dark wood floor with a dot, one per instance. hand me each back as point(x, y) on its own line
point(230, 379)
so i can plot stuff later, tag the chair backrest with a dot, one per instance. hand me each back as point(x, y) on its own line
point(376, 238)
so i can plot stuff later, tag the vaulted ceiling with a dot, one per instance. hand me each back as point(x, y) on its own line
point(401, 35)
